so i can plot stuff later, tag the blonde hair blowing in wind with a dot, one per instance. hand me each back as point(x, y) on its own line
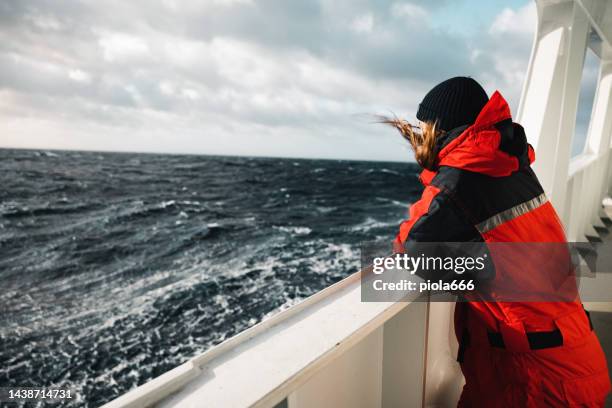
point(422, 139)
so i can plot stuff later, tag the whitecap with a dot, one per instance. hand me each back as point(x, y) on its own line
point(391, 201)
point(324, 210)
point(371, 223)
point(388, 171)
point(189, 202)
point(296, 230)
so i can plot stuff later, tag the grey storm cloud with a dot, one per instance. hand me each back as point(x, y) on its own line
point(264, 75)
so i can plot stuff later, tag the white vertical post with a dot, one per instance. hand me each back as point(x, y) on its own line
point(404, 354)
point(550, 98)
point(443, 378)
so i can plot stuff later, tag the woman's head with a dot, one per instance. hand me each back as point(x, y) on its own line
point(450, 104)
point(453, 103)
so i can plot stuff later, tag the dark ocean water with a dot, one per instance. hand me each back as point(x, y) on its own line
point(115, 268)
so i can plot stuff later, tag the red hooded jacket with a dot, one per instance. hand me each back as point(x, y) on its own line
point(483, 189)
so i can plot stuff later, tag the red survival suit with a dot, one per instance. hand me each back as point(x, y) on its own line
point(519, 353)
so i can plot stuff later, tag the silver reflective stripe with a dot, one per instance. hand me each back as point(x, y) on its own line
point(511, 213)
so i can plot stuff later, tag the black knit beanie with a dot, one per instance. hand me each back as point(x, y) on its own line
point(454, 102)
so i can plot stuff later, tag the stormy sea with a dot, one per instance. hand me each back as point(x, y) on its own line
point(115, 267)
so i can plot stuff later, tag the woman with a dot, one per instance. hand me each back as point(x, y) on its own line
point(479, 186)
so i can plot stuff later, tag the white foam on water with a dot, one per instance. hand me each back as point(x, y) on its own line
point(371, 223)
point(296, 230)
point(165, 204)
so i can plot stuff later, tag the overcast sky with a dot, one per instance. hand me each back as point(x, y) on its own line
point(246, 77)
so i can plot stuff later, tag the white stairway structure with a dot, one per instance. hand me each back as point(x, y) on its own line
point(332, 350)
